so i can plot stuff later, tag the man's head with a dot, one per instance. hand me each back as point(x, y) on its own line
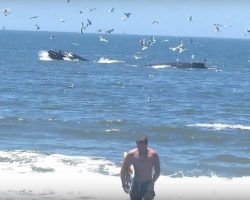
point(142, 143)
point(142, 140)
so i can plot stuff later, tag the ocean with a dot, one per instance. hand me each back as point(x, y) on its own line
point(74, 116)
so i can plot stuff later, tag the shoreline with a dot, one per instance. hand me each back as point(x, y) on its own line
point(78, 186)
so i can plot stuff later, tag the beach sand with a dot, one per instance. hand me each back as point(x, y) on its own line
point(101, 187)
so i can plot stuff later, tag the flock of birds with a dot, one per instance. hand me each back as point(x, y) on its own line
point(144, 43)
point(84, 26)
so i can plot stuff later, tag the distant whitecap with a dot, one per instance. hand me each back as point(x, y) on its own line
point(219, 126)
point(106, 60)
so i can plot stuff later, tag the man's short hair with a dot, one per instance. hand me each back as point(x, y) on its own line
point(142, 139)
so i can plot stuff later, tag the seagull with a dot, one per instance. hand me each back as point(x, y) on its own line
point(71, 86)
point(110, 31)
point(173, 48)
point(34, 17)
point(68, 1)
point(152, 40)
point(5, 11)
point(112, 10)
point(83, 27)
point(52, 37)
point(144, 44)
point(181, 50)
point(80, 11)
point(193, 56)
point(247, 32)
point(89, 22)
point(155, 22)
point(103, 39)
point(99, 30)
point(37, 27)
point(127, 15)
point(190, 18)
point(179, 47)
point(91, 9)
point(137, 57)
point(62, 20)
point(217, 27)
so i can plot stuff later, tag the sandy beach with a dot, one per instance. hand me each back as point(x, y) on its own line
point(95, 186)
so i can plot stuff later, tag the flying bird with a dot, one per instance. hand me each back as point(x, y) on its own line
point(180, 48)
point(89, 22)
point(52, 37)
point(37, 27)
point(34, 17)
point(5, 11)
point(247, 32)
point(127, 15)
point(91, 9)
point(155, 22)
point(144, 44)
point(112, 10)
point(193, 56)
point(217, 27)
point(83, 27)
point(137, 57)
point(110, 31)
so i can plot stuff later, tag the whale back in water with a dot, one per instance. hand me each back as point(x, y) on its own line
point(191, 65)
point(197, 65)
point(63, 55)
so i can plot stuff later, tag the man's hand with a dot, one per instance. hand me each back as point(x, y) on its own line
point(125, 188)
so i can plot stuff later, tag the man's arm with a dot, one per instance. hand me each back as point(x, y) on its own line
point(157, 169)
point(124, 169)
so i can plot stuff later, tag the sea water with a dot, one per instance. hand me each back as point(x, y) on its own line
point(71, 116)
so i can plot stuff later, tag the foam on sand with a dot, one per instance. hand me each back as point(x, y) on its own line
point(103, 187)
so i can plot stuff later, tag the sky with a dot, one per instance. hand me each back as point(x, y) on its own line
point(172, 15)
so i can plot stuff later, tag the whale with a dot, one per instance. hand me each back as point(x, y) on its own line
point(195, 65)
point(64, 55)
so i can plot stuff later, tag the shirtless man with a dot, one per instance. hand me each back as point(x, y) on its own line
point(146, 170)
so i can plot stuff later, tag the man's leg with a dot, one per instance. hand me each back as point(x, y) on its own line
point(148, 195)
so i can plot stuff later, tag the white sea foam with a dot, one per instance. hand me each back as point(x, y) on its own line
point(112, 130)
point(219, 126)
point(31, 175)
point(29, 162)
point(160, 66)
point(104, 60)
point(44, 55)
point(71, 185)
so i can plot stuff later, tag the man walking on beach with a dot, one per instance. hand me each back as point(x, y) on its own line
point(146, 164)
